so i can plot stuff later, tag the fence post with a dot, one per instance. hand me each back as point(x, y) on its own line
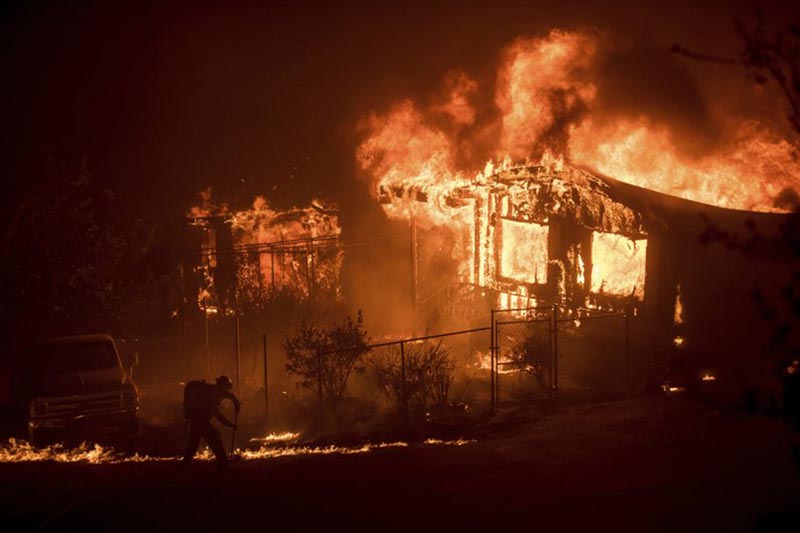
point(266, 381)
point(319, 395)
point(555, 351)
point(403, 390)
point(551, 383)
point(496, 364)
point(491, 360)
point(238, 360)
point(627, 351)
point(206, 344)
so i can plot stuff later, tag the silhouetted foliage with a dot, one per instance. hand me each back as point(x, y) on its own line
point(428, 374)
point(326, 356)
point(71, 266)
point(772, 57)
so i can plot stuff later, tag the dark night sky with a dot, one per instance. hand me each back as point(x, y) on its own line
point(165, 99)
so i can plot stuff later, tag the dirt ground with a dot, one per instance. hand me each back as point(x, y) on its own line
point(650, 464)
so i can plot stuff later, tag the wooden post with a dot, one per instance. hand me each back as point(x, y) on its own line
point(491, 360)
point(496, 364)
point(404, 391)
point(627, 351)
point(312, 276)
point(412, 221)
point(260, 279)
point(266, 381)
point(551, 365)
point(555, 350)
point(206, 343)
point(319, 395)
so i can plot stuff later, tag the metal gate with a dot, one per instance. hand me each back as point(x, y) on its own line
point(524, 343)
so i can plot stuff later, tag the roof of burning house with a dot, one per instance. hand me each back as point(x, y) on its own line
point(580, 196)
point(537, 193)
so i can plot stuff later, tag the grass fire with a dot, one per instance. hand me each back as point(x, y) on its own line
point(408, 265)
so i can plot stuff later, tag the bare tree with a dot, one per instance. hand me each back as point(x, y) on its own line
point(766, 57)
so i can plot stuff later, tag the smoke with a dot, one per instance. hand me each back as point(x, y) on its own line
point(645, 81)
point(631, 110)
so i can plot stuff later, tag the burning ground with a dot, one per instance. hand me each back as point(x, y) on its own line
point(648, 464)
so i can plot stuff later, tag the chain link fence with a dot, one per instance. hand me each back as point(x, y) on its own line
point(529, 354)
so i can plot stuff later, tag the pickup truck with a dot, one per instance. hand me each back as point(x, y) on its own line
point(75, 387)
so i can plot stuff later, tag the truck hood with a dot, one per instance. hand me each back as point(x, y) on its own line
point(72, 383)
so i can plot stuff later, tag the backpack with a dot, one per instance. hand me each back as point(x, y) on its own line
point(198, 402)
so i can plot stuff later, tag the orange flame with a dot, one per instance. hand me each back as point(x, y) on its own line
point(422, 160)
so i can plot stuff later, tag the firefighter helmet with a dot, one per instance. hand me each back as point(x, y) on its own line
point(224, 382)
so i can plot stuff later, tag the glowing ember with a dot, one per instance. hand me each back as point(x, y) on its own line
point(678, 341)
point(709, 377)
point(678, 317)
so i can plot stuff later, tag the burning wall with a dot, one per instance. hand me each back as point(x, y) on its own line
point(541, 234)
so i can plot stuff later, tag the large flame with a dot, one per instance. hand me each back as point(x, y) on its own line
point(545, 101)
point(423, 161)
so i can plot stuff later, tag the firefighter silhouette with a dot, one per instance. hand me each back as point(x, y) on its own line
point(201, 402)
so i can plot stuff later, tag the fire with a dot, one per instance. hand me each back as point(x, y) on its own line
point(539, 81)
point(22, 452)
point(619, 264)
point(16, 451)
point(458, 442)
point(546, 94)
point(426, 162)
point(294, 248)
point(750, 174)
point(272, 438)
point(524, 252)
point(678, 315)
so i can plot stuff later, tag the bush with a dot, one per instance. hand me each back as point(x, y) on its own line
point(429, 372)
point(532, 353)
point(311, 354)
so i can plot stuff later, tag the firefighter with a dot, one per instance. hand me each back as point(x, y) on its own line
point(201, 401)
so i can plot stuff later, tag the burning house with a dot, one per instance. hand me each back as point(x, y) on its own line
point(241, 257)
point(546, 235)
point(552, 234)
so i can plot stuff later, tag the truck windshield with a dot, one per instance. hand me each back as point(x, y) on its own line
point(58, 358)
